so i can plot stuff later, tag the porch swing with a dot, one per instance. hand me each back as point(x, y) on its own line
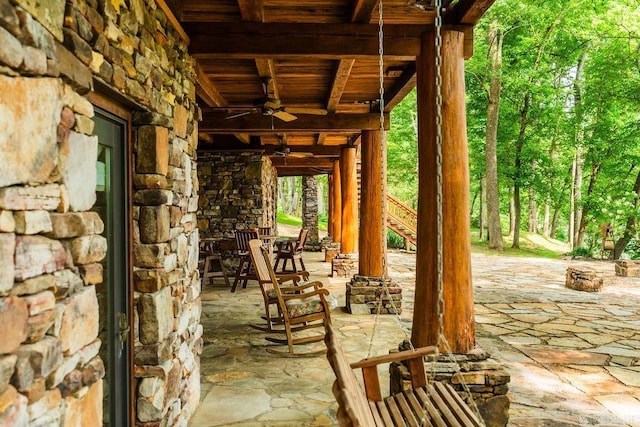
point(427, 402)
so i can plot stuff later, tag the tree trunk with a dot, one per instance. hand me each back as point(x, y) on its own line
point(494, 228)
point(554, 223)
point(512, 215)
point(545, 221)
point(630, 228)
point(516, 215)
point(533, 212)
point(579, 141)
point(481, 213)
point(294, 196)
point(572, 205)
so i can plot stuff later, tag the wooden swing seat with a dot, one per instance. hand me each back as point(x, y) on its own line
point(436, 404)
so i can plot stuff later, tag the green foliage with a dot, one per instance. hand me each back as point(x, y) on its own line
point(287, 219)
point(394, 240)
point(582, 252)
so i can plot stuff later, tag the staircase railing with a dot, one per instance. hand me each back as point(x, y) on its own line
point(402, 214)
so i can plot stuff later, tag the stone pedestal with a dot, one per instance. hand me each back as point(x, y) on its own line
point(583, 280)
point(344, 265)
point(370, 295)
point(487, 381)
point(628, 268)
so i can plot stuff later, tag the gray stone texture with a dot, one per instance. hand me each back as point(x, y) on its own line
point(310, 210)
point(79, 323)
point(78, 168)
point(36, 255)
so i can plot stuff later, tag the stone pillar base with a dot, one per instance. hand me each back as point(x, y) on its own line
point(487, 380)
point(367, 295)
point(583, 280)
point(344, 265)
point(627, 268)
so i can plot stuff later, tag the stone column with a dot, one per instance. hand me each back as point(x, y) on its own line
point(310, 209)
point(459, 325)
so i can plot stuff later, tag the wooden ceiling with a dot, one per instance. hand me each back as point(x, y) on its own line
point(319, 55)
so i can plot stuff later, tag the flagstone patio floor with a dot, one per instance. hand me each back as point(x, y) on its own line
point(573, 357)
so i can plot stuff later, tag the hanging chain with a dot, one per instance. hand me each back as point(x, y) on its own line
point(383, 146)
point(440, 265)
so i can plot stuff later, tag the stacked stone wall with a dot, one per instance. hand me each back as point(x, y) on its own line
point(51, 248)
point(310, 211)
point(237, 192)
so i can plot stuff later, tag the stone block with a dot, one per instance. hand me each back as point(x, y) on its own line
point(150, 256)
point(495, 411)
point(77, 163)
point(34, 61)
point(36, 390)
point(7, 364)
point(7, 268)
point(49, 14)
point(39, 324)
point(73, 71)
point(87, 249)
point(85, 410)
point(13, 318)
point(180, 118)
point(13, 408)
point(40, 302)
point(152, 154)
point(156, 316)
point(79, 324)
point(84, 125)
point(8, 17)
point(11, 51)
point(17, 198)
point(35, 255)
point(34, 285)
point(75, 224)
point(151, 398)
point(92, 274)
point(7, 223)
point(150, 280)
point(32, 222)
point(154, 224)
point(150, 181)
point(627, 268)
point(67, 365)
point(66, 283)
point(43, 356)
point(50, 401)
point(30, 111)
point(153, 197)
point(154, 354)
point(93, 371)
point(583, 280)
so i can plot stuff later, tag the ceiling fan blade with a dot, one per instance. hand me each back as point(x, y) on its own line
point(272, 103)
point(234, 116)
point(300, 155)
point(284, 116)
point(302, 110)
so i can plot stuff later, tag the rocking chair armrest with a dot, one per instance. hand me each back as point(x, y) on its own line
point(297, 277)
point(298, 288)
point(321, 292)
point(394, 357)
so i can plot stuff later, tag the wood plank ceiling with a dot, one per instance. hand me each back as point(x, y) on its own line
point(320, 55)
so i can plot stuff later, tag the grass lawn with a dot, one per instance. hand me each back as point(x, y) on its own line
point(296, 221)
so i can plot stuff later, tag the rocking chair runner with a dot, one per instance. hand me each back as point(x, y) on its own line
point(292, 250)
point(298, 309)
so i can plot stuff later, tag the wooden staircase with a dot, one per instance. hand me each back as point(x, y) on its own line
point(403, 220)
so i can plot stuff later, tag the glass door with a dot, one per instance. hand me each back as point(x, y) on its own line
point(113, 293)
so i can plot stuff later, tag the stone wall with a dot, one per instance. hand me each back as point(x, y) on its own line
point(236, 192)
point(310, 211)
point(51, 371)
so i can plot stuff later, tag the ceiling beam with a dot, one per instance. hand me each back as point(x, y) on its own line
point(251, 10)
point(290, 161)
point(316, 150)
point(258, 124)
point(343, 70)
point(207, 90)
point(266, 68)
point(362, 10)
point(273, 40)
point(301, 171)
point(400, 88)
point(467, 11)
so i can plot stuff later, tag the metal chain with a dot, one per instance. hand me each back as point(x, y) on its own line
point(440, 264)
point(383, 146)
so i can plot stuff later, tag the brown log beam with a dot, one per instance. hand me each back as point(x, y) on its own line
point(274, 40)
point(362, 10)
point(336, 196)
point(207, 90)
point(341, 76)
point(289, 161)
point(467, 11)
point(459, 324)
point(316, 150)
point(349, 184)
point(301, 171)
point(257, 124)
point(251, 10)
point(371, 249)
point(405, 83)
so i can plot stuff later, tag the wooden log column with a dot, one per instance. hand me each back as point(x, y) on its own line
point(349, 179)
point(371, 242)
point(336, 203)
point(459, 324)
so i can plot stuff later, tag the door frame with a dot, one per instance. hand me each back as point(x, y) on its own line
point(110, 106)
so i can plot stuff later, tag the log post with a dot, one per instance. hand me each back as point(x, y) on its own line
point(330, 205)
point(349, 178)
point(459, 325)
point(336, 205)
point(371, 222)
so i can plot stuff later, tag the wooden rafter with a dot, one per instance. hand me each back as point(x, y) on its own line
point(401, 87)
point(275, 40)
point(290, 161)
point(340, 79)
point(468, 11)
point(266, 68)
point(207, 90)
point(258, 124)
point(299, 171)
point(251, 10)
point(362, 10)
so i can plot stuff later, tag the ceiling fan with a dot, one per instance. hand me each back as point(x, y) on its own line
point(269, 106)
point(285, 150)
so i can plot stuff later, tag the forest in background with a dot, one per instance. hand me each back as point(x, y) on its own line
point(553, 122)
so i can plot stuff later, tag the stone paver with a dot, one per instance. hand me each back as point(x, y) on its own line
point(573, 357)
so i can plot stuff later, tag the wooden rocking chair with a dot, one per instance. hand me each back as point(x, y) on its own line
point(424, 405)
point(244, 272)
point(292, 250)
point(297, 309)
